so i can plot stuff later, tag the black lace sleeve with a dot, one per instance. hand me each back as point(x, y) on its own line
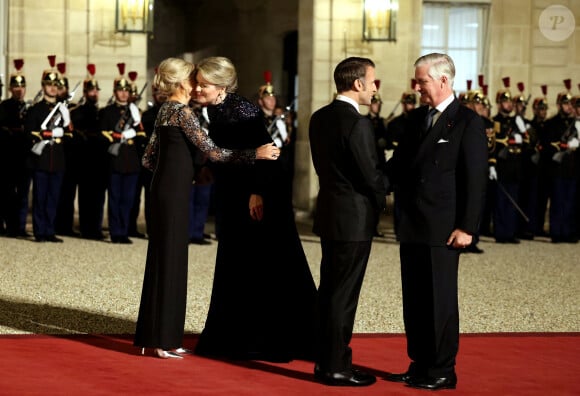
point(182, 116)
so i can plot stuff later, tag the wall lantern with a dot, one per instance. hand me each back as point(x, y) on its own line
point(380, 20)
point(134, 16)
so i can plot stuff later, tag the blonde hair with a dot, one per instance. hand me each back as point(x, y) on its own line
point(170, 73)
point(219, 71)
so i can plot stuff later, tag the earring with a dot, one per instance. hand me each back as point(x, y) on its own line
point(220, 97)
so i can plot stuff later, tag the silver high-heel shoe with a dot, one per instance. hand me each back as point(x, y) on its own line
point(160, 353)
point(184, 351)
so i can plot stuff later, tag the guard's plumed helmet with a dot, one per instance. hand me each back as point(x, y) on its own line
point(90, 82)
point(121, 83)
point(565, 97)
point(410, 96)
point(267, 89)
point(377, 97)
point(504, 94)
point(63, 80)
point(541, 103)
point(51, 76)
point(520, 98)
point(17, 79)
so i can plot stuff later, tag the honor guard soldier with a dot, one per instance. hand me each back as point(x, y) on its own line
point(506, 168)
point(576, 105)
point(64, 222)
point(380, 131)
point(475, 100)
point(276, 127)
point(528, 194)
point(379, 124)
point(562, 133)
point(94, 176)
point(143, 181)
point(482, 106)
point(540, 109)
point(396, 128)
point(45, 123)
point(15, 175)
point(120, 123)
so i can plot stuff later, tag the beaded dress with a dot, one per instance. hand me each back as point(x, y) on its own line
point(263, 297)
point(170, 155)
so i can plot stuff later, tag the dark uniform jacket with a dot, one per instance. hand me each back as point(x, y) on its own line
point(111, 124)
point(52, 158)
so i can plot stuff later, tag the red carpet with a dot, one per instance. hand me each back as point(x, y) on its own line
point(488, 364)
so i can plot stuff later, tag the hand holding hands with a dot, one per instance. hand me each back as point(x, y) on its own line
point(268, 151)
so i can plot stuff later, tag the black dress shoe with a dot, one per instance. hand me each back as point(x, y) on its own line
point(94, 237)
point(122, 239)
point(433, 383)
point(472, 249)
point(197, 241)
point(345, 378)
point(40, 238)
point(402, 377)
point(137, 234)
point(53, 238)
point(507, 240)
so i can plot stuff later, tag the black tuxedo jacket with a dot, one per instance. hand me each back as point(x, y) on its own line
point(440, 178)
point(352, 190)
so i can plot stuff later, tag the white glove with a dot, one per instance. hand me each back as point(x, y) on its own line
point(492, 173)
point(135, 113)
point(518, 138)
point(57, 132)
point(573, 143)
point(520, 124)
point(65, 115)
point(282, 129)
point(129, 134)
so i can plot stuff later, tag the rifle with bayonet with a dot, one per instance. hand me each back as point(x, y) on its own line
point(392, 113)
point(30, 103)
point(124, 123)
point(563, 147)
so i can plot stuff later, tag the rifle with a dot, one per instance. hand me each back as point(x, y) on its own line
point(392, 113)
point(71, 95)
point(126, 120)
point(512, 201)
point(566, 136)
point(29, 103)
point(124, 123)
point(49, 123)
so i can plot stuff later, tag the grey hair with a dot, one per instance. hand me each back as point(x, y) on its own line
point(439, 65)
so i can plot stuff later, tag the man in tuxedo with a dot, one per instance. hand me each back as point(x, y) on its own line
point(351, 196)
point(440, 172)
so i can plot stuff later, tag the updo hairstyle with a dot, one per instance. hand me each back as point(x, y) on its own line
point(170, 73)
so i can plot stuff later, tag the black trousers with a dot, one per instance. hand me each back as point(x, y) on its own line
point(341, 275)
point(430, 307)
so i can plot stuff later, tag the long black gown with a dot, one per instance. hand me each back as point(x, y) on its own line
point(170, 155)
point(264, 298)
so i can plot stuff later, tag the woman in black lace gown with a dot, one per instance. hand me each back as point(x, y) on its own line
point(263, 298)
point(169, 155)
